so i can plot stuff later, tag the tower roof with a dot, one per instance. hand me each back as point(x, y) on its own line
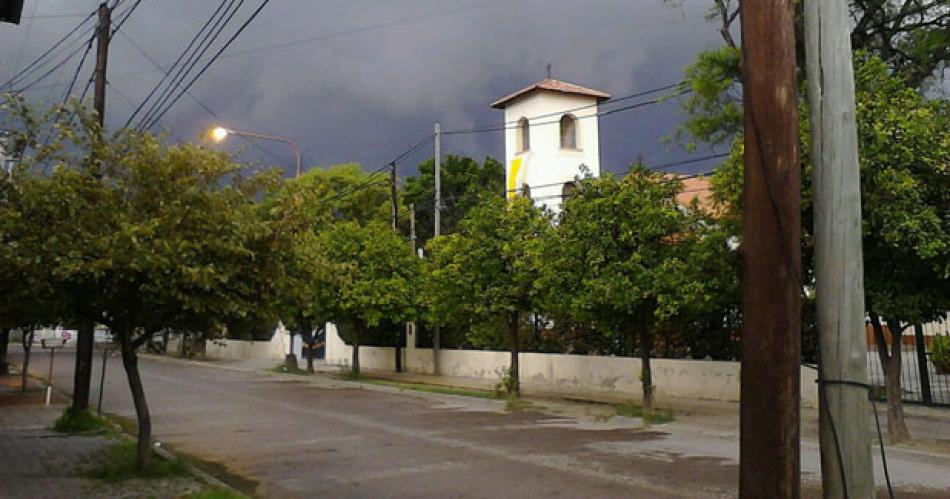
point(552, 85)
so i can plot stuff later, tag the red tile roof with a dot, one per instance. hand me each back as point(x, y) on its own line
point(552, 85)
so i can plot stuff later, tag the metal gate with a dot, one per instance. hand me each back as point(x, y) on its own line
point(921, 383)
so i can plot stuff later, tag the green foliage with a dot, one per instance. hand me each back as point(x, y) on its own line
point(714, 106)
point(940, 353)
point(905, 194)
point(485, 272)
point(117, 463)
point(652, 416)
point(214, 493)
point(464, 184)
point(506, 383)
point(422, 387)
point(81, 422)
point(631, 255)
point(912, 38)
point(365, 277)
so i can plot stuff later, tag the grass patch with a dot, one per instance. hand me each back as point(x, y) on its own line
point(117, 464)
point(284, 369)
point(513, 404)
point(655, 416)
point(349, 375)
point(444, 390)
point(81, 422)
point(214, 493)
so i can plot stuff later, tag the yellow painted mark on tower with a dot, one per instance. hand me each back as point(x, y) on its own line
point(513, 177)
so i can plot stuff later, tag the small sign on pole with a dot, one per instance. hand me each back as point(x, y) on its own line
point(52, 345)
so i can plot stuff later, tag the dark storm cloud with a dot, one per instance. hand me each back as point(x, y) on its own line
point(383, 72)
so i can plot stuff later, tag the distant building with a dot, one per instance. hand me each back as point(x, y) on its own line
point(551, 138)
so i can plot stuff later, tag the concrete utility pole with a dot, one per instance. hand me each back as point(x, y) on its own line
point(769, 464)
point(411, 327)
point(102, 56)
point(844, 410)
point(437, 332)
point(394, 206)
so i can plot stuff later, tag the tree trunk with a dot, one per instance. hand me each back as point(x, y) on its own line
point(4, 344)
point(165, 341)
point(514, 370)
point(891, 365)
point(27, 341)
point(646, 374)
point(82, 376)
point(130, 363)
point(356, 350)
point(896, 427)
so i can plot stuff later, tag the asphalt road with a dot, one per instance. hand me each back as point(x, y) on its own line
point(285, 436)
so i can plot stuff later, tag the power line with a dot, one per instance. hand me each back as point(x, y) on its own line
point(210, 62)
point(220, 22)
point(373, 27)
point(174, 64)
point(606, 102)
point(201, 104)
point(690, 161)
point(637, 105)
point(34, 66)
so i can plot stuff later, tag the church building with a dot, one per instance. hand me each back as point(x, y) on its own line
point(551, 138)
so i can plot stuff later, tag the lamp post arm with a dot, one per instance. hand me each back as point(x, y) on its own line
point(285, 140)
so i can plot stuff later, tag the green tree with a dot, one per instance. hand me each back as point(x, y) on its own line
point(28, 296)
point(300, 209)
point(145, 237)
point(485, 273)
point(632, 259)
point(911, 36)
point(464, 183)
point(905, 202)
point(366, 276)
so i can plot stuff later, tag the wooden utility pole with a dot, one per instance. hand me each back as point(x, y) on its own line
point(769, 463)
point(102, 56)
point(85, 337)
point(844, 411)
point(437, 330)
point(393, 201)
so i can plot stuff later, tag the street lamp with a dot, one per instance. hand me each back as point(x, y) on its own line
point(218, 134)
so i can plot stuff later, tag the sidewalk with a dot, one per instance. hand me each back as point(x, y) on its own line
point(37, 462)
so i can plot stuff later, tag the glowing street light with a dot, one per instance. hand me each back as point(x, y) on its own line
point(218, 134)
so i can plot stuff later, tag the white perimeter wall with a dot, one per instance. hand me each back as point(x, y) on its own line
point(275, 349)
point(614, 377)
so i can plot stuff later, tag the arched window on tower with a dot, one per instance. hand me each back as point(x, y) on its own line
point(568, 132)
point(524, 136)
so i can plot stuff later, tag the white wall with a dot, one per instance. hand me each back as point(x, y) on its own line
point(545, 162)
point(563, 374)
point(275, 349)
point(338, 353)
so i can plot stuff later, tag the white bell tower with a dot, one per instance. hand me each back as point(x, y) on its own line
point(551, 137)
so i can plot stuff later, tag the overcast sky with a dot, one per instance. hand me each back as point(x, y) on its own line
point(381, 72)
